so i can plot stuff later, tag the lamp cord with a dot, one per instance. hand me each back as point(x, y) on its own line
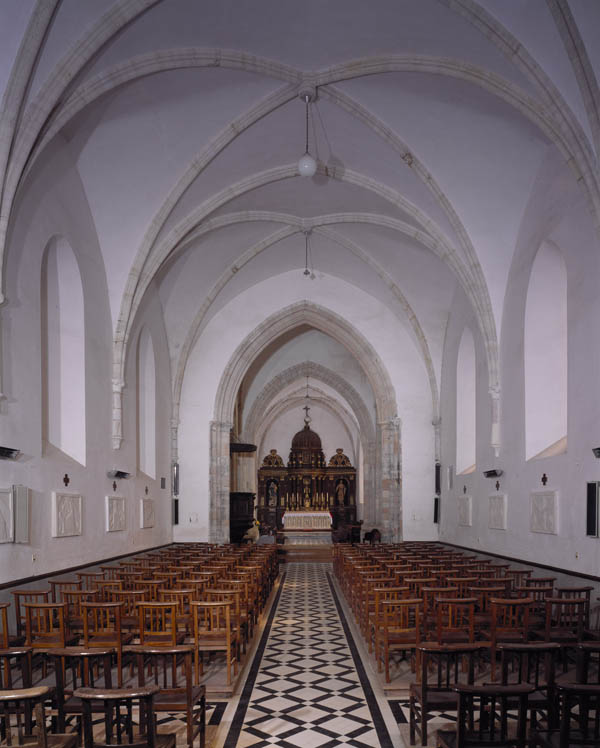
point(306, 255)
point(306, 151)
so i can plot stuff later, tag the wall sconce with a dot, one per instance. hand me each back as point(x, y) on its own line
point(493, 473)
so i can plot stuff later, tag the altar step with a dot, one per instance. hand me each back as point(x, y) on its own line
point(306, 554)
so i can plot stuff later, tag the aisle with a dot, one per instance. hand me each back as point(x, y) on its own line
point(307, 686)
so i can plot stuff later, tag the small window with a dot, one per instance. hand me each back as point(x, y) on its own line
point(593, 489)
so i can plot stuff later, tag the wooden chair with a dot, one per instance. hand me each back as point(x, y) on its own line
point(214, 632)
point(118, 707)
point(15, 667)
point(462, 584)
point(58, 587)
point(483, 717)
point(587, 668)
point(102, 628)
point(106, 588)
point(130, 618)
point(483, 610)
point(88, 577)
point(16, 710)
point(584, 592)
point(149, 586)
point(533, 663)
point(579, 720)
point(455, 620)
point(565, 619)
point(46, 625)
point(509, 624)
point(74, 600)
point(375, 628)
point(77, 667)
point(402, 623)
point(6, 640)
point(158, 624)
point(442, 668)
point(181, 598)
point(177, 694)
point(26, 596)
point(539, 594)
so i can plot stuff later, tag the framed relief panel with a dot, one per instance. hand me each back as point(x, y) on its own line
point(497, 512)
point(66, 514)
point(465, 511)
point(544, 512)
point(146, 513)
point(7, 517)
point(115, 514)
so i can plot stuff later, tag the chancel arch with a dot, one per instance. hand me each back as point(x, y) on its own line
point(269, 404)
point(386, 460)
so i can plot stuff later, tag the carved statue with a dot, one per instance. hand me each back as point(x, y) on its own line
point(340, 492)
point(272, 498)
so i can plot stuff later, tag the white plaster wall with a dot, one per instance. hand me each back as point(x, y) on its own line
point(237, 320)
point(55, 205)
point(570, 226)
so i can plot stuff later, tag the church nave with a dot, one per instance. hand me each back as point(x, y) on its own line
point(307, 685)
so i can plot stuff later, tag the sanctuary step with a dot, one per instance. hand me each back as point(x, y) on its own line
point(307, 554)
point(307, 546)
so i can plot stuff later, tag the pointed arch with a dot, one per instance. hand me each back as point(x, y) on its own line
point(385, 456)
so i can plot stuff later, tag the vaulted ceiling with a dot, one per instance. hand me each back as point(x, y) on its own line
point(435, 123)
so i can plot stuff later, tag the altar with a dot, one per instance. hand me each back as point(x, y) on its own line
point(306, 520)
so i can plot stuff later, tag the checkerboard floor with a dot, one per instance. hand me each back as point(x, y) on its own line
point(308, 687)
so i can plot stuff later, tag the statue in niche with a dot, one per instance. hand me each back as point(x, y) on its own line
point(272, 494)
point(340, 493)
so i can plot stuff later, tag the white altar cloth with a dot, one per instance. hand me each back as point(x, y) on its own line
point(306, 520)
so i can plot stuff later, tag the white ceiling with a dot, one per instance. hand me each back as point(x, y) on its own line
point(435, 122)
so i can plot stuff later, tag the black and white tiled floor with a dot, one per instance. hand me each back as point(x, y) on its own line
point(307, 686)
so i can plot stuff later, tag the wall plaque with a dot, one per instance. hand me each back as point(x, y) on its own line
point(6, 516)
point(465, 511)
point(115, 513)
point(146, 513)
point(544, 512)
point(66, 514)
point(497, 512)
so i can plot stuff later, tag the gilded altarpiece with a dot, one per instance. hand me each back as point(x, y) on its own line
point(308, 483)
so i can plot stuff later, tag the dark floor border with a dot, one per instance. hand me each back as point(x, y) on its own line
point(242, 707)
point(71, 569)
point(382, 732)
point(523, 561)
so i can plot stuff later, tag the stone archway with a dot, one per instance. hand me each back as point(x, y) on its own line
point(387, 449)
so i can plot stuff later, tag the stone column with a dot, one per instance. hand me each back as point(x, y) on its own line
point(117, 412)
point(389, 505)
point(370, 483)
point(219, 481)
point(495, 435)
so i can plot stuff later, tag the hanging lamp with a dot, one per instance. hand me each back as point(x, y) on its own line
point(307, 166)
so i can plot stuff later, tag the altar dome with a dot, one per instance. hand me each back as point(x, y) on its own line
point(306, 439)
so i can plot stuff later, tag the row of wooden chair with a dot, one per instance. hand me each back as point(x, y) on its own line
point(205, 600)
point(397, 608)
point(23, 719)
